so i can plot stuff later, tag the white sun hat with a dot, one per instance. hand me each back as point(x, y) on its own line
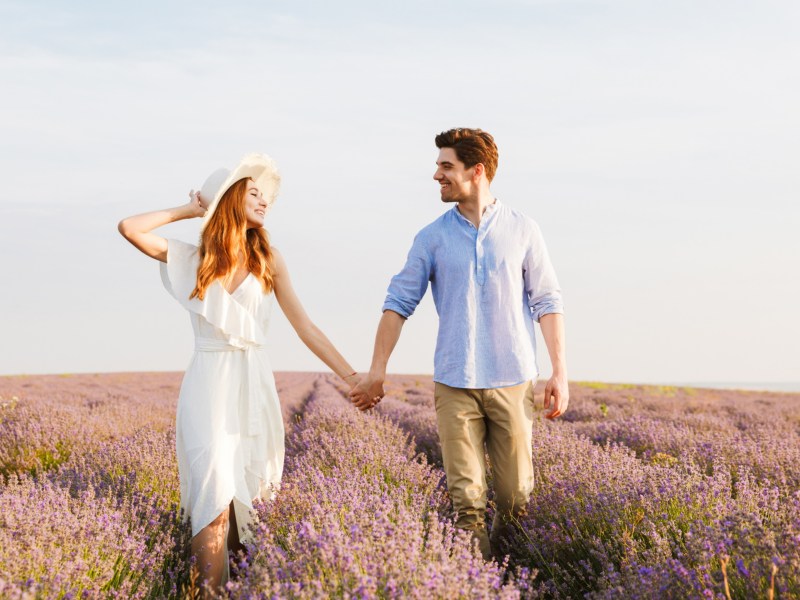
point(258, 167)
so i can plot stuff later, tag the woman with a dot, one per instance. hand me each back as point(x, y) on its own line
point(229, 426)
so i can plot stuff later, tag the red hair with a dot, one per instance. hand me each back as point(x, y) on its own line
point(227, 239)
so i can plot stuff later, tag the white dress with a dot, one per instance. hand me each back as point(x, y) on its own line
point(229, 427)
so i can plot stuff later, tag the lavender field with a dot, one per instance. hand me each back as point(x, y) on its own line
point(641, 492)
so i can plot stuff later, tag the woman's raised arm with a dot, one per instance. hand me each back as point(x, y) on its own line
point(137, 229)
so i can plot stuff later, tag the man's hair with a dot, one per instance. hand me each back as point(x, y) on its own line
point(472, 146)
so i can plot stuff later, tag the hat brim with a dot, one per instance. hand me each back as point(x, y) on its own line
point(258, 167)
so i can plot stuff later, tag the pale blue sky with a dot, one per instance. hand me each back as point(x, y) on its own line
point(656, 143)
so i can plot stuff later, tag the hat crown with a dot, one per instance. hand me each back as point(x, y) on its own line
point(212, 185)
point(258, 167)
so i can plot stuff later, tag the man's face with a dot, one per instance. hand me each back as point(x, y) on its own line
point(454, 179)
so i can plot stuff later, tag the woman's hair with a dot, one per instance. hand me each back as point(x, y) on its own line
point(226, 236)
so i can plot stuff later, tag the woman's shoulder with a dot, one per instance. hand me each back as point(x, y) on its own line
point(181, 246)
point(278, 260)
point(182, 253)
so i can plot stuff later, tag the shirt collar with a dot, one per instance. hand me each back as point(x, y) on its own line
point(488, 211)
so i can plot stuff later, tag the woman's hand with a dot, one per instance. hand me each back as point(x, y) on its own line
point(196, 206)
point(352, 380)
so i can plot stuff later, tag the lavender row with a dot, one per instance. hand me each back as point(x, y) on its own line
point(647, 491)
point(602, 521)
point(44, 420)
point(89, 502)
point(104, 524)
point(359, 516)
point(641, 492)
point(752, 433)
point(294, 389)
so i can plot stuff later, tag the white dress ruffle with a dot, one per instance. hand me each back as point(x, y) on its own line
point(230, 438)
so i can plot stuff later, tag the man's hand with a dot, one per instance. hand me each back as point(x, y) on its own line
point(556, 394)
point(367, 393)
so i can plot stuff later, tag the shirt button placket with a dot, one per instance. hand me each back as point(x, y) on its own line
point(479, 267)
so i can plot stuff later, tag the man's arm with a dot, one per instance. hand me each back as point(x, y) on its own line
point(556, 393)
point(544, 300)
point(403, 296)
point(370, 387)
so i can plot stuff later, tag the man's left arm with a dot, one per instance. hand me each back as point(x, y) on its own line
point(556, 393)
point(544, 300)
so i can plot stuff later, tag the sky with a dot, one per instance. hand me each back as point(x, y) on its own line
point(656, 144)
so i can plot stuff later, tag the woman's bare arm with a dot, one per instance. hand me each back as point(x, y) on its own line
point(309, 334)
point(137, 229)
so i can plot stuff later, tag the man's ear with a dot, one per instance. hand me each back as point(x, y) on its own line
point(479, 170)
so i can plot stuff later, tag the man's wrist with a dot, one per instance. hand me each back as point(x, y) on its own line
point(377, 373)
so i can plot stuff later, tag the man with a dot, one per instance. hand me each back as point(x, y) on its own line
point(491, 278)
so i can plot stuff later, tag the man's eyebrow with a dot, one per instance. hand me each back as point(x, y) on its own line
point(446, 163)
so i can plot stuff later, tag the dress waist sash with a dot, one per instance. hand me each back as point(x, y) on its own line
point(216, 345)
point(254, 389)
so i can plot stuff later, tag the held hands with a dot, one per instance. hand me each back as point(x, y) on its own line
point(367, 392)
point(556, 395)
point(352, 380)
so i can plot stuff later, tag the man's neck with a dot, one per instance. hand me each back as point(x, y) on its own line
point(473, 208)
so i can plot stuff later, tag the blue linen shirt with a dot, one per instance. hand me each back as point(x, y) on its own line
point(489, 285)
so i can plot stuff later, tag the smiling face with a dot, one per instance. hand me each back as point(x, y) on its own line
point(255, 206)
point(456, 182)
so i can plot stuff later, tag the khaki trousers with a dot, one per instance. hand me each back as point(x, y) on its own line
point(501, 420)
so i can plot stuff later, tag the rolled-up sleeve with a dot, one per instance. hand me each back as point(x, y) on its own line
point(541, 285)
point(409, 286)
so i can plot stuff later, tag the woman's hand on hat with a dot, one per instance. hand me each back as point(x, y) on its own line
point(196, 205)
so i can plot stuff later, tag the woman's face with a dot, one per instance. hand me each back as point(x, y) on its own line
point(255, 206)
